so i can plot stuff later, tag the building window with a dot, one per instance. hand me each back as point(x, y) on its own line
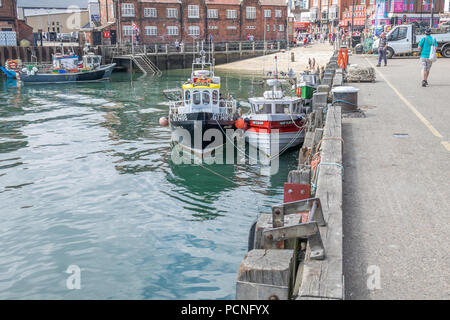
point(193, 12)
point(250, 12)
point(172, 31)
point(281, 27)
point(127, 10)
point(151, 31)
point(274, 27)
point(127, 30)
point(231, 14)
point(194, 30)
point(267, 13)
point(278, 13)
point(172, 12)
point(315, 3)
point(213, 13)
point(111, 11)
point(363, 1)
point(150, 12)
point(268, 28)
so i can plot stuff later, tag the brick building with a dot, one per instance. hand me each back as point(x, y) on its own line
point(164, 21)
point(223, 19)
point(9, 23)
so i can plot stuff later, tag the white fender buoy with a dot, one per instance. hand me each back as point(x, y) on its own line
point(163, 121)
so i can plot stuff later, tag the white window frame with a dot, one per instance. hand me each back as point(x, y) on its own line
point(128, 10)
point(278, 13)
point(150, 12)
point(281, 27)
point(268, 28)
point(171, 13)
point(171, 29)
point(250, 13)
point(194, 30)
point(127, 30)
point(213, 13)
point(267, 13)
point(151, 30)
point(231, 14)
point(274, 27)
point(193, 11)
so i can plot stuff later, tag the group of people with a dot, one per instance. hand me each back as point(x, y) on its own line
point(425, 46)
point(306, 38)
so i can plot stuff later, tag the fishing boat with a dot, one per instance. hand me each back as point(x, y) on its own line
point(275, 121)
point(65, 68)
point(201, 108)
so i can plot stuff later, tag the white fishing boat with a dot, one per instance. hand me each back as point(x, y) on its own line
point(276, 121)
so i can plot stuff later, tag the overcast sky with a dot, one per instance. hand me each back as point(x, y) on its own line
point(52, 3)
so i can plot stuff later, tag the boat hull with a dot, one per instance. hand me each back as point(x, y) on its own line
point(189, 130)
point(103, 73)
point(272, 143)
point(272, 136)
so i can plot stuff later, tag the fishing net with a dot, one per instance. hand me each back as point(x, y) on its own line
point(357, 73)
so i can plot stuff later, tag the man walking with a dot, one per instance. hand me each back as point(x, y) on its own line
point(382, 47)
point(425, 45)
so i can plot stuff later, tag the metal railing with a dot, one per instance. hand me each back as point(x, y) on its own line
point(165, 48)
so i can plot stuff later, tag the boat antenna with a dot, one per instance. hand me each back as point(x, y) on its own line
point(276, 69)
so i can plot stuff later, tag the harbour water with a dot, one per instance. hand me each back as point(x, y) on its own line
point(86, 179)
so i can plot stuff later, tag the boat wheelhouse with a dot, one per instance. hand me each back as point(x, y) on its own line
point(276, 121)
point(202, 108)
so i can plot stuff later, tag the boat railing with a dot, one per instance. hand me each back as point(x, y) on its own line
point(181, 106)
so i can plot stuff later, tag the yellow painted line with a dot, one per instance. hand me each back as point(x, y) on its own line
point(427, 123)
point(446, 145)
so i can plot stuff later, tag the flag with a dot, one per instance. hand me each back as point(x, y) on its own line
point(135, 27)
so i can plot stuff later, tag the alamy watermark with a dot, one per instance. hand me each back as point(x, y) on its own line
point(374, 279)
point(225, 146)
point(73, 282)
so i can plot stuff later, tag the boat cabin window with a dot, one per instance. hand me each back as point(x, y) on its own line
point(215, 96)
point(196, 97)
point(187, 95)
point(296, 107)
point(206, 98)
point(282, 108)
point(263, 108)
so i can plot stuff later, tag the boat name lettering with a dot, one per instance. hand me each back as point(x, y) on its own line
point(258, 122)
point(179, 117)
point(222, 116)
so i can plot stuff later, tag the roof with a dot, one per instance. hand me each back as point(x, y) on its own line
point(273, 3)
point(51, 3)
point(228, 2)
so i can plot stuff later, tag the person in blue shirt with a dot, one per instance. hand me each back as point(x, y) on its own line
point(424, 50)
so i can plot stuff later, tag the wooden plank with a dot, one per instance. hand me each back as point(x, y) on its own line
point(323, 278)
point(271, 267)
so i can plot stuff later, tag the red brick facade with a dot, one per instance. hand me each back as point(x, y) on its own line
point(227, 20)
point(9, 21)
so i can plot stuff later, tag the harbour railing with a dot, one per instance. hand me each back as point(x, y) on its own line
point(224, 47)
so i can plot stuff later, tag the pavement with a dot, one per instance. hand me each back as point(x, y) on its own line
point(397, 184)
point(320, 51)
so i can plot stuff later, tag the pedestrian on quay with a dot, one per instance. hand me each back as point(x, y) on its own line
point(382, 47)
point(177, 45)
point(426, 58)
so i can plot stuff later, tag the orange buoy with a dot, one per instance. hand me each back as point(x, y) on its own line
point(163, 121)
point(240, 123)
point(299, 92)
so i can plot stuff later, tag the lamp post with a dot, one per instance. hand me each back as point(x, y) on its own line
point(431, 19)
point(353, 14)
